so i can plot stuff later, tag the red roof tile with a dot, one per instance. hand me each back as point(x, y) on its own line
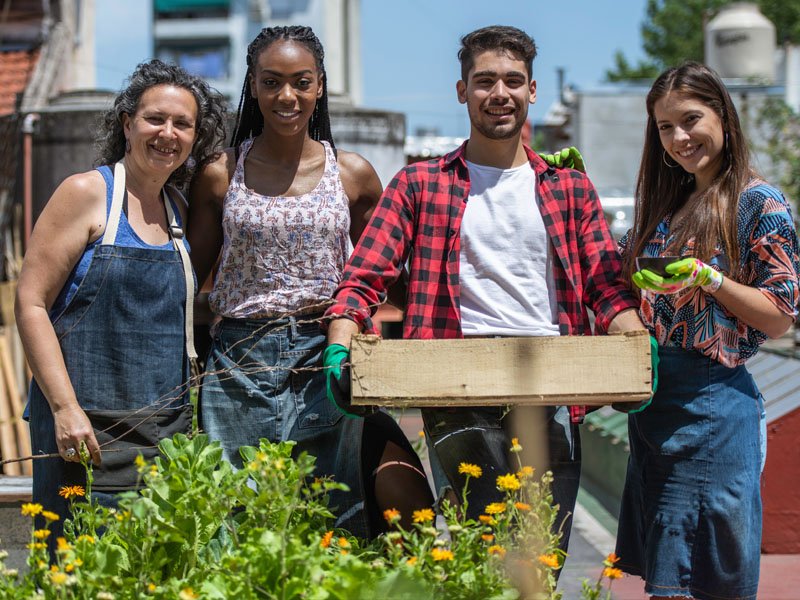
point(16, 68)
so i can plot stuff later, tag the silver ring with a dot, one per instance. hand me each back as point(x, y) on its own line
point(70, 452)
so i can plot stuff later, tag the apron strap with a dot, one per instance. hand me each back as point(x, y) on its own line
point(177, 235)
point(112, 223)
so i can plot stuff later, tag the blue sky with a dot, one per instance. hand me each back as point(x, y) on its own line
point(409, 48)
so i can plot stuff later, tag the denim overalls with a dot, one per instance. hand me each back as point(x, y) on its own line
point(122, 335)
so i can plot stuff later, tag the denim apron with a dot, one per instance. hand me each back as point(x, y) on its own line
point(122, 336)
point(690, 518)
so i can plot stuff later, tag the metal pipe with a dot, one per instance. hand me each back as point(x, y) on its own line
point(28, 125)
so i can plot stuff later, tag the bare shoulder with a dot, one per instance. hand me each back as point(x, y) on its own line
point(79, 200)
point(212, 180)
point(358, 176)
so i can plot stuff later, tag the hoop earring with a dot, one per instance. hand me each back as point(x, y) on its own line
point(127, 145)
point(664, 158)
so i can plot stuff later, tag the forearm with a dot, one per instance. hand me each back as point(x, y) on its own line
point(626, 320)
point(341, 330)
point(753, 308)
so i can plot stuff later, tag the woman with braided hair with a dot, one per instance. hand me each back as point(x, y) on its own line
point(284, 207)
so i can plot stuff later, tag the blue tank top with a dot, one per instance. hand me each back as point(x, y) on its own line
point(126, 236)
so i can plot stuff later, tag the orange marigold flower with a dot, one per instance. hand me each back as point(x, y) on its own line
point(487, 519)
point(497, 550)
point(58, 578)
point(423, 516)
point(612, 573)
point(187, 594)
point(525, 472)
point(522, 506)
point(71, 491)
point(50, 516)
point(63, 544)
point(470, 469)
point(495, 508)
point(550, 560)
point(421, 433)
point(411, 561)
point(515, 447)
point(441, 554)
point(30, 509)
point(41, 534)
point(326, 539)
point(508, 483)
point(391, 515)
point(612, 558)
point(343, 543)
point(487, 537)
point(87, 538)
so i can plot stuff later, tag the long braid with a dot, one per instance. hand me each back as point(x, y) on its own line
point(249, 120)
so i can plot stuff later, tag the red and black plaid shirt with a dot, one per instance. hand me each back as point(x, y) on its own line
point(418, 219)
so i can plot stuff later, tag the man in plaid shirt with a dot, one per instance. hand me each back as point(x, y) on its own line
point(527, 258)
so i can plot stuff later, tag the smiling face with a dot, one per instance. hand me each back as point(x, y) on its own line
point(162, 131)
point(286, 84)
point(497, 94)
point(692, 134)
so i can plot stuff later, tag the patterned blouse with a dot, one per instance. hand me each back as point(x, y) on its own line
point(281, 254)
point(769, 261)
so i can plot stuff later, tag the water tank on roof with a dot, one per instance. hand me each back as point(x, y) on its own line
point(740, 43)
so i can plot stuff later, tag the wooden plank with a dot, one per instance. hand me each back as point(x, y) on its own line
point(569, 370)
point(8, 446)
point(8, 291)
point(15, 400)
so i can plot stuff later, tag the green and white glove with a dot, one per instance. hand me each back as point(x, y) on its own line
point(567, 157)
point(337, 380)
point(685, 273)
point(635, 407)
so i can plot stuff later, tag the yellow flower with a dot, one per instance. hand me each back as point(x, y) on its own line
point(261, 456)
point(63, 544)
point(140, 461)
point(153, 473)
point(412, 560)
point(612, 558)
point(87, 538)
point(470, 469)
point(54, 568)
point(343, 543)
point(421, 433)
point(343, 552)
point(41, 534)
point(498, 550)
point(58, 578)
point(36, 546)
point(71, 491)
point(508, 483)
point(495, 508)
point(486, 537)
point(69, 567)
point(326, 539)
point(487, 519)
point(392, 515)
point(423, 516)
point(525, 472)
point(31, 510)
point(151, 587)
point(550, 560)
point(187, 594)
point(612, 573)
point(441, 554)
point(50, 516)
point(515, 447)
point(522, 506)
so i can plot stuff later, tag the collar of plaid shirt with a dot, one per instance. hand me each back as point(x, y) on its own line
point(418, 221)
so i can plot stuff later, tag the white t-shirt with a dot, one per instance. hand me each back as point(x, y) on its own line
point(506, 260)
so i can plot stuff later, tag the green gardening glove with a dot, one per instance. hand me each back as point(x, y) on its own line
point(684, 273)
point(567, 157)
point(635, 407)
point(337, 380)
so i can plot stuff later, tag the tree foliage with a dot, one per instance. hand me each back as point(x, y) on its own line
point(672, 32)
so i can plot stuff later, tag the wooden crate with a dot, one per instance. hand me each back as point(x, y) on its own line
point(569, 370)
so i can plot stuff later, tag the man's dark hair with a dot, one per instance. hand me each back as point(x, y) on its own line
point(496, 37)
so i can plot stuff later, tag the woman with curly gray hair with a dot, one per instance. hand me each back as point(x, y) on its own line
point(104, 296)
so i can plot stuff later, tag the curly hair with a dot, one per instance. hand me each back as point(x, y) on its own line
point(496, 37)
point(210, 124)
point(249, 120)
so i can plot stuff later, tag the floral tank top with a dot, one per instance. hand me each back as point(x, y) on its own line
point(768, 254)
point(281, 254)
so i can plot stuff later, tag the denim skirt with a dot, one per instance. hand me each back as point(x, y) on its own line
point(690, 519)
point(263, 380)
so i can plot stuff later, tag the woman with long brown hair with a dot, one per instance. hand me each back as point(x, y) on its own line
point(690, 520)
